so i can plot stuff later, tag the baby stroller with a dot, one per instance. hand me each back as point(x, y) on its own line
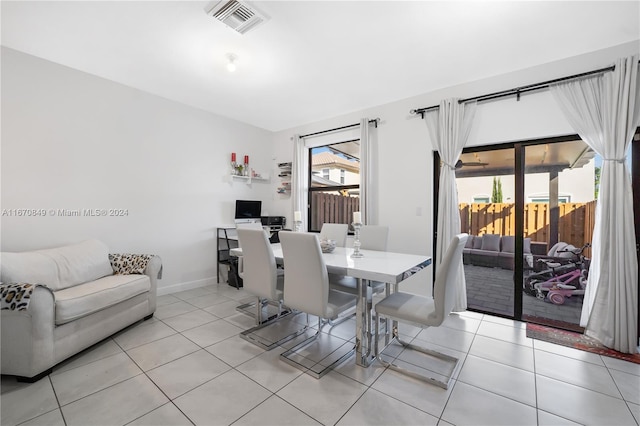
point(560, 279)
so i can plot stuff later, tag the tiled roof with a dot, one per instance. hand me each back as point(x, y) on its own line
point(329, 159)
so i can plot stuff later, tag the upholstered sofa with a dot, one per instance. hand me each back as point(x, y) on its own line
point(495, 251)
point(57, 302)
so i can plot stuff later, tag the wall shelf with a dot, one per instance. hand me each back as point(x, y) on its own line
point(249, 179)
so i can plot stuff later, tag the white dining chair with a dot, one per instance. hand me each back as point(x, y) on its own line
point(336, 232)
point(245, 225)
point(425, 312)
point(264, 280)
point(372, 237)
point(306, 289)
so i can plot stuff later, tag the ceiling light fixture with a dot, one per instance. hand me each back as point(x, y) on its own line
point(231, 65)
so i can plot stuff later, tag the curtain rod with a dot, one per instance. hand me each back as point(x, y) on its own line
point(516, 91)
point(375, 121)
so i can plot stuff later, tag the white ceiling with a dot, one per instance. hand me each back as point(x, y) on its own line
point(313, 59)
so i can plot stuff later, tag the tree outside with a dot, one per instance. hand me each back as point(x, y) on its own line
point(496, 193)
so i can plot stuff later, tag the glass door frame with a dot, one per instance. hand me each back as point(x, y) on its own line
point(519, 148)
point(635, 182)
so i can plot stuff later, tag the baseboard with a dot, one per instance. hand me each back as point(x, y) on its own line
point(186, 286)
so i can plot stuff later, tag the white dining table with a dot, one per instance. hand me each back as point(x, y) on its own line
point(383, 266)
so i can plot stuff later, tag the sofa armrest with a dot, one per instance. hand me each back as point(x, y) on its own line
point(154, 272)
point(154, 267)
point(27, 337)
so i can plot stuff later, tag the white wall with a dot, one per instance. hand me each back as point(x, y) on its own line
point(405, 153)
point(71, 140)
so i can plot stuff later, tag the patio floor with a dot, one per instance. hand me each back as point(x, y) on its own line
point(491, 290)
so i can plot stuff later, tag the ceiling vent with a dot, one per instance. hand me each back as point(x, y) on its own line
point(236, 15)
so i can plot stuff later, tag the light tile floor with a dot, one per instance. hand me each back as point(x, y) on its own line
point(188, 366)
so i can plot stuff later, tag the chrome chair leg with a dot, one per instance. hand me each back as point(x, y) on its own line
point(289, 356)
point(453, 361)
point(251, 335)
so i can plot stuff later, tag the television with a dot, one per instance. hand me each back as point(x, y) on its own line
point(248, 209)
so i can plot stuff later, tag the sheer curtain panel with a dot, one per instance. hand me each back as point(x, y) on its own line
point(367, 190)
point(605, 111)
point(449, 128)
point(299, 179)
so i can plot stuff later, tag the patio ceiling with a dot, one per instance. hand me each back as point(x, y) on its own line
point(543, 158)
point(349, 148)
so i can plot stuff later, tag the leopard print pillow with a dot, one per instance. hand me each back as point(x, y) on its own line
point(16, 296)
point(126, 263)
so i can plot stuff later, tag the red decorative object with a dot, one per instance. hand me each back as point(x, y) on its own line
point(246, 159)
point(233, 157)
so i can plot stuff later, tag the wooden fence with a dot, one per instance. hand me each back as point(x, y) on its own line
point(575, 226)
point(332, 208)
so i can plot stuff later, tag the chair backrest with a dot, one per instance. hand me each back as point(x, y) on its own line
point(306, 282)
point(374, 237)
point(444, 290)
point(335, 231)
point(260, 274)
point(249, 225)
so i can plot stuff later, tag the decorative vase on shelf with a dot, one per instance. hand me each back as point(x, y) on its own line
point(246, 165)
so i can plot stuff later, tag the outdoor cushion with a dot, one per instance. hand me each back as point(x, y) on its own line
point(508, 244)
point(491, 242)
point(469, 243)
point(477, 243)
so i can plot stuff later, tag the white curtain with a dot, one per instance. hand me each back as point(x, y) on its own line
point(605, 111)
point(300, 180)
point(449, 128)
point(367, 173)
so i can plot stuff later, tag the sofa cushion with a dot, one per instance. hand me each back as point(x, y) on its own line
point(82, 300)
point(490, 242)
point(29, 267)
point(59, 267)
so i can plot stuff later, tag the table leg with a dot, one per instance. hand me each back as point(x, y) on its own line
point(387, 292)
point(363, 325)
point(362, 343)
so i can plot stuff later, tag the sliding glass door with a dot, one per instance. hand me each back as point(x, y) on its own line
point(520, 201)
point(486, 194)
point(560, 192)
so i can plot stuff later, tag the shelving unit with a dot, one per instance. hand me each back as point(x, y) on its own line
point(285, 176)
